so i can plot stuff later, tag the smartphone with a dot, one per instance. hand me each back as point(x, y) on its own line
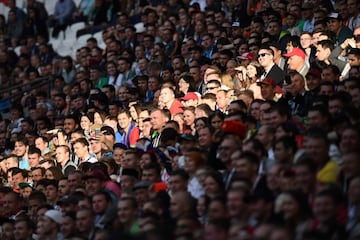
point(97, 132)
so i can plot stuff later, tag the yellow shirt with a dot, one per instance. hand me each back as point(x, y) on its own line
point(328, 173)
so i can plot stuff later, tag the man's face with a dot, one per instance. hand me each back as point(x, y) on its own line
point(235, 203)
point(267, 91)
point(166, 95)
point(322, 54)
point(334, 25)
point(273, 29)
point(64, 188)
point(62, 156)
point(324, 209)
point(17, 178)
point(129, 160)
point(34, 159)
point(84, 221)
point(92, 185)
point(297, 84)
point(353, 60)
point(80, 150)
point(124, 121)
point(265, 58)
point(212, 88)
point(69, 125)
point(22, 231)
point(326, 90)
point(37, 175)
point(125, 212)
point(51, 193)
point(99, 204)
point(11, 204)
point(312, 82)
point(204, 137)
point(150, 175)
point(20, 149)
point(11, 162)
point(157, 120)
point(95, 146)
point(67, 226)
point(177, 183)
point(318, 149)
point(74, 180)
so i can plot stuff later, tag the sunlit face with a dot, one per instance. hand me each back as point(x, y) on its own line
point(85, 122)
point(124, 120)
point(97, 118)
point(189, 117)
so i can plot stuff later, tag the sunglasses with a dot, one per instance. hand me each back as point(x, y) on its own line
point(211, 88)
point(263, 54)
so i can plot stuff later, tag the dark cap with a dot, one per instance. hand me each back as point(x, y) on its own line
point(67, 200)
point(96, 172)
point(107, 130)
point(187, 137)
point(25, 185)
point(196, 48)
point(130, 172)
point(142, 185)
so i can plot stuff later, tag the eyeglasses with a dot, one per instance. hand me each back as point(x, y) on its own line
point(263, 54)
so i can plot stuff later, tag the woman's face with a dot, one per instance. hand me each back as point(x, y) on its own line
point(216, 122)
point(201, 206)
point(145, 159)
point(118, 155)
point(211, 187)
point(251, 71)
point(290, 207)
point(289, 47)
point(280, 132)
point(190, 165)
point(133, 113)
point(189, 117)
point(97, 118)
point(85, 122)
point(200, 113)
point(199, 124)
point(183, 86)
point(49, 174)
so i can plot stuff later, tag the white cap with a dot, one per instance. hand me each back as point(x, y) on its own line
point(140, 28)
point(54, 215)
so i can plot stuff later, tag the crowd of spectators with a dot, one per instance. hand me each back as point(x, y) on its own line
point(196, 120)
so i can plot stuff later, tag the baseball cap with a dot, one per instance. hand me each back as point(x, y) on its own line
point(307, 6)
point(142, 185)
point(190, 96)
point(25, 184)
point(334, 15)
point(234, 127)
point(314, 72)
point(247, 56)
point(267, 81)
point(96, 172)
point(69, 199)
point(235, 24)
point(296, 52)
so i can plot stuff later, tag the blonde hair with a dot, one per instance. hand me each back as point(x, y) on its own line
point(227, 80)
